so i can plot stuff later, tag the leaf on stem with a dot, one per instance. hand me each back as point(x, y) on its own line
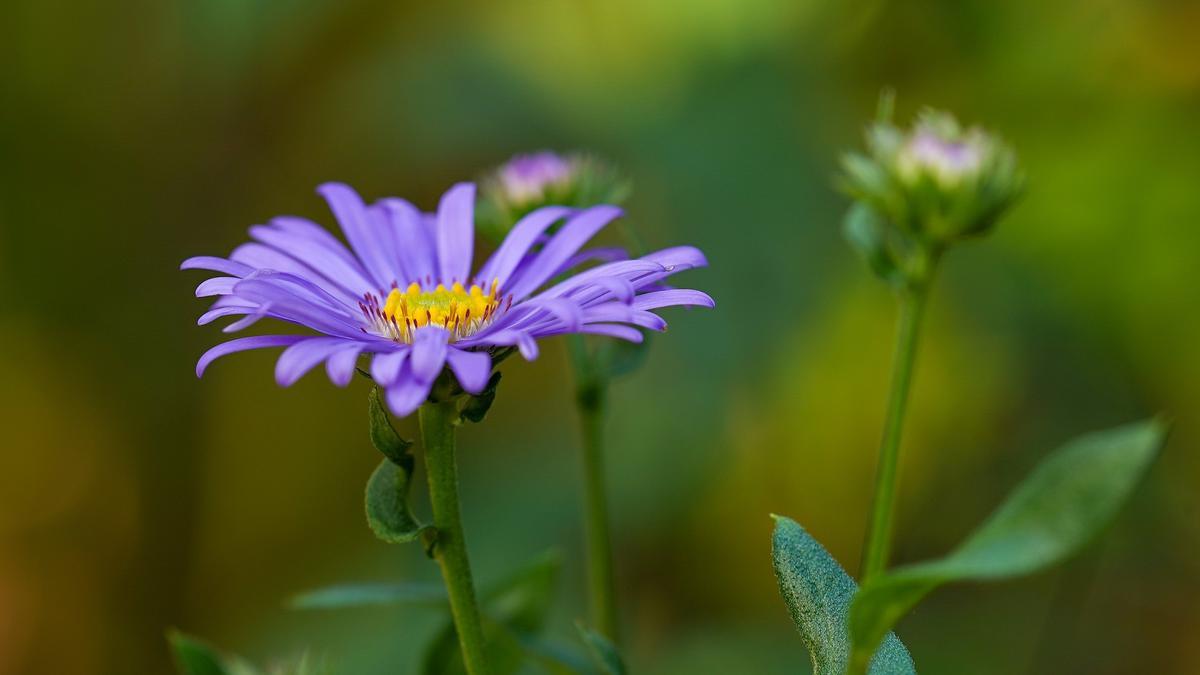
point(388, 511)
point(384, 436)
point(369, 594)
point(1074, 493)
point(817, 592)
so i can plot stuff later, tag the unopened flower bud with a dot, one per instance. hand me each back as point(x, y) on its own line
point(528, 182)
point(921, 189)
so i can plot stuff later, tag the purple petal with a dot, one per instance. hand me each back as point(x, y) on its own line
point(264, 257)
point(523, 341)
point(407, 394)
point(648, 320)
point(340, 367)
point(609, 312)
point(520, 239)
point(573, 235)
point(242, 344)
point(418, 253)
point(456, 233)
point(386, 367)
point(288, 305)
point(216, 286)
point(363, 232)
point(303, 357)
point(207, 262)
point(629, 270)
point(250, 319)
point(678, 258)
point(324, 254)
point(224, 310)
point(600, 253)
point(429, 348)
point(672, 298)
point(614, 330)
point(471, 368)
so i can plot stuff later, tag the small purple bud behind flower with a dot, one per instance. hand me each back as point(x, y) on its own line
point(530, 181)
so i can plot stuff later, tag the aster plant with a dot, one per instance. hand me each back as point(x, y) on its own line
point(917, 192)
point(520, 185)
point(404, 301)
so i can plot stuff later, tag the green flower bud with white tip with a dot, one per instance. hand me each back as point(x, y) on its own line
point(918, 190)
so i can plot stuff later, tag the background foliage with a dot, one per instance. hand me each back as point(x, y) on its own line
point(133, 497)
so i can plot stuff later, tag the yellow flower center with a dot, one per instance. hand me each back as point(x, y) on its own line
point(459, 310)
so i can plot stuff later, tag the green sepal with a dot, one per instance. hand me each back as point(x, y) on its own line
point(1053, 513)
point(387, 508)
point(604, 653)
point(343, 596)
point(514, 612)
point(196, 657)
point(817, 592)
point(867, 233)
point(475, 407)
point(384, 436)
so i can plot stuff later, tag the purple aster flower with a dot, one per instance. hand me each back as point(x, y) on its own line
point(404, 293)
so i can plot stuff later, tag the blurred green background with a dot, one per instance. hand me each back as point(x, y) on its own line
point(134, 497)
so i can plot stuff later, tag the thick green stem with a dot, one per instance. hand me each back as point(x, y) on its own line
point(437, 433)
point(879, 533)
point(591, 395)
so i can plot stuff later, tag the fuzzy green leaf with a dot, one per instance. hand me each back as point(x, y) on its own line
point(817, 592)
point(1061, 506)
point(603, 652)
point(364, 595)
point(387, 508)
point(383, 434)
point(196, 657)
point(514, 610)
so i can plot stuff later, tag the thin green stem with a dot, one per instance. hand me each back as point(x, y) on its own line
point(437, 433)
point(591, 398)
point(879, 533)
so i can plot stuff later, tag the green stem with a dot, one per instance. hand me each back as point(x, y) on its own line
point(879, 532)
point(437, 433)
point(591, 398)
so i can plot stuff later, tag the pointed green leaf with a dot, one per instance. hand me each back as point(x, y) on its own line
point(818, 592)
point(603, 652)
point(514, 609)
point(388, 512)
point(1074, 493)
point(364, 595)
point(383, 434)
point(196, 657)
point(476, 407)
point(387, 504)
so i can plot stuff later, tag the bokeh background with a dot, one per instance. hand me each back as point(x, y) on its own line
point(134, 497)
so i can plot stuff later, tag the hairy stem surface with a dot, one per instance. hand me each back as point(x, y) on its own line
point(437, 433)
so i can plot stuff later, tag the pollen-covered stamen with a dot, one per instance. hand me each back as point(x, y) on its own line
point(459, 310)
